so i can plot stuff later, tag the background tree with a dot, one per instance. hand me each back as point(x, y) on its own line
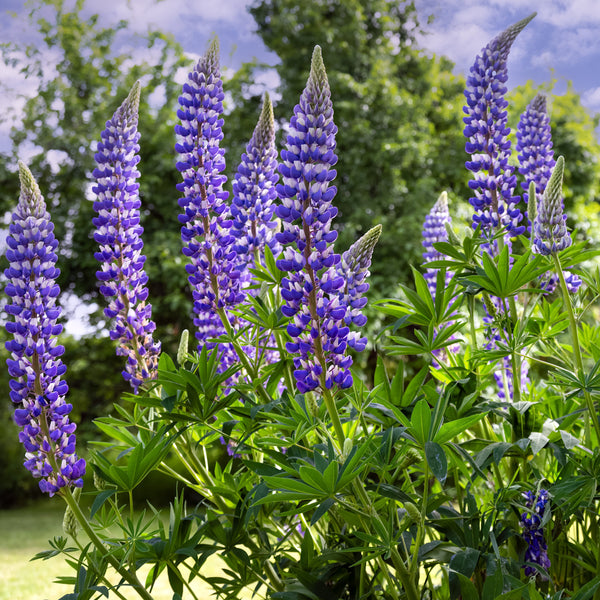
point(63, 121)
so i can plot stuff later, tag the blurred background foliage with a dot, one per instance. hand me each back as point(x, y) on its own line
point(400, 143)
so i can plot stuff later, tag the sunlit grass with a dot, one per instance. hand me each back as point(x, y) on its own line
point(25, 532)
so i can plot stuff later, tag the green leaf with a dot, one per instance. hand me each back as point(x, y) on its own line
point(588, 590)
point(437, 461)
point(421, 421)
point(494, 584)
point(452, 428)
point(322, 509)
point(467, 589)
point(100, 499)
point(465, 561)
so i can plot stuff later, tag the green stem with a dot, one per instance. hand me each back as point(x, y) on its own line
point(334, 416)
point(592, 415)
point(472, 329)
point(91, 565)
point(421, 528)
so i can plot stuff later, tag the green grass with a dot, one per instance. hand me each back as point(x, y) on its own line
point(25, 532)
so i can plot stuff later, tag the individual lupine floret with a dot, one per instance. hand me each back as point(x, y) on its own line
point(312, 288)
point(494, 180)
point(354, 270)
point(550, 233)
point(254, 193)
point(118, 232)
point(206, 232)
point(35, 365)
point(434, 230)
point(533, 532)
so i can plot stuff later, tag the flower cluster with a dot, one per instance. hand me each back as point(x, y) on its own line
point(35, 367)
point(118, 232)
point(494, 180)
point(313, 289)
point(533, 532)
point(353, 268)
point(434, 230)
point(254, 193)
point(534, 146)
point(206, 232)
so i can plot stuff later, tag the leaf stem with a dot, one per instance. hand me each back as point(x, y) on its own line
point(592, 415)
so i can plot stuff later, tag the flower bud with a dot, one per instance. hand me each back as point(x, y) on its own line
point(413, 512)
point(183, 347)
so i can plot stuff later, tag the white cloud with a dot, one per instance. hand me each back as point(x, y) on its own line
point(591, 99)
point(569, 14)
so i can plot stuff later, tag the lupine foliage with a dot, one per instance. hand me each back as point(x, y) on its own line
point(460, 480)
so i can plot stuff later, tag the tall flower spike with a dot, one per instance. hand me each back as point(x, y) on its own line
point(434, 230)
point(254, 193)
point(311, 290)
point(354, 270)
point(549, 229)
point(206, 232)
point(534, 145)
point(35, 367)
point(118, 233)
point(486, 128)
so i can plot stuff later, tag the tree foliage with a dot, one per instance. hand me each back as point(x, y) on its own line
point(62, 122)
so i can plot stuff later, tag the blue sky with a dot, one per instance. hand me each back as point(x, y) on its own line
point(562, 41)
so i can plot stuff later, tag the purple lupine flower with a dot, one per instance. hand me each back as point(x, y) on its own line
point(534, 146)
point(35, 367)
point(311, 290)
point(536, 159)
point(533, 532)
point(549, 228)
point(118, 232)
point(206, 232)
point(434, 230)
point(494, 181)
point(354, 270)
point(254, 193)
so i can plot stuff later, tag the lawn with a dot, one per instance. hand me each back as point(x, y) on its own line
point(23, 533)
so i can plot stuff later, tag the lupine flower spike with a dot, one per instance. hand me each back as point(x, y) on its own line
point(533, 532)
point(254, 193)
point(534, 145)
point(434, 230)
point(354, 269)
point(536, 159)
point(486, 128)
point(35, 366)
point(206, 232)
point(549, 229)
point(118, 233)
point(313, 289)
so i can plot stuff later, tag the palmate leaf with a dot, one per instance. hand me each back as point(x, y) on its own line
point(142, 458)
point(500, 279)
point(418, 307)
point(429, 340)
